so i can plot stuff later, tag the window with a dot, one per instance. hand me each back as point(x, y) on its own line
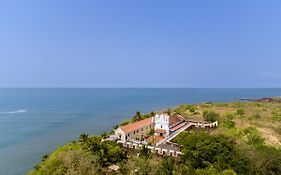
point(161, 126)
point(137, 131)
point(134, 132)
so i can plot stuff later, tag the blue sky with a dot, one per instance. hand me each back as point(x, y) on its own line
point(130, 43)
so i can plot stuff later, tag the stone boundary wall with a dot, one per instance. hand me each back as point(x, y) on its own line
point(202, 124)
point(153, 149)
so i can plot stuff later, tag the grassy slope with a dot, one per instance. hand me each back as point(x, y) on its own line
point(262, 116)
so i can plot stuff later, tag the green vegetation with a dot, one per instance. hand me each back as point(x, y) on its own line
point(202, 150)
point(139, 116)
point(240, 112)
point(211, 116)
point(276, 115)
point(88, 156)
point(247, 141)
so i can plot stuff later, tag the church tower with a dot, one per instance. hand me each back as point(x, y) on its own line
point(162, 123)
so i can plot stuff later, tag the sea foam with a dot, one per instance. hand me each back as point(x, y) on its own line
point(15, 112)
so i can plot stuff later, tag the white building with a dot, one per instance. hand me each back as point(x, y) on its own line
point(166, 125)
point(162, 124)
point(135, 131)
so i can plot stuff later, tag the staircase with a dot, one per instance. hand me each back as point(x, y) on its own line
point(170, 137)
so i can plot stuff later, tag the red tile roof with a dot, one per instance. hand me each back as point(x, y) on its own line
point(137, 125)
point(177, 127)
point(175, 119)
point(158, 138)
point(161, 131)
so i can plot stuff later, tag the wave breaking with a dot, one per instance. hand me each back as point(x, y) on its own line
point(14, 112)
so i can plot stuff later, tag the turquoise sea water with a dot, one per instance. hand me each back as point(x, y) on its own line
point(36, 121)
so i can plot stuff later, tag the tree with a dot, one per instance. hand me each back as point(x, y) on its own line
point(240, 112)
point(104, 134)
point(143, 166)
point(144, 152)
point(191, 108)
point(267, 161)
point(168, 111)
point(229, 115)
point(45, 157)
point(211, 116)
point(123, 169)
point(137, 116)
point(205, 113)
point(83, 137)
point(167, 166)
point(152, 114)
point(228, 124)
point(151, 134)
point(124, 122)
point(79, 162)
point(115, 127)
point(202, 150)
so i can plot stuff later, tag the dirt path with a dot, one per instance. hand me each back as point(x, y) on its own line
point(269, 137)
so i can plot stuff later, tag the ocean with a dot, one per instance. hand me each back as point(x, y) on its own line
point(34, 122)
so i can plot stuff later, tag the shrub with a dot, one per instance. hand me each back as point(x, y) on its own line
point(228, 124)
point(45, 157)
point(256, 115)
point(104, 135)
point(137, 117)
point(276, 115)
point(211, 116)
point(238, 104)
point(267, 161)
point(168, 111)
point(115, 127)
point(144, 152)
point(221, 104)
point(253, 137)
point(167, 166)
point(152, 114)
point(229, 115)
point(191, 108)
point(240, 112)
point(107, 151)
point(201, 150)
point(125, 122)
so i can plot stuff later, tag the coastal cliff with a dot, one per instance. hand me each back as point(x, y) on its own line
point(246, 141)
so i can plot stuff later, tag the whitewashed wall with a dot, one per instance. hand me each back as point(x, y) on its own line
point(162, 122)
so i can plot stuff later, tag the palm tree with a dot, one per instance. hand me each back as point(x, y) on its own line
point(151, 134)
point(137, 116)
point(83, 138)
